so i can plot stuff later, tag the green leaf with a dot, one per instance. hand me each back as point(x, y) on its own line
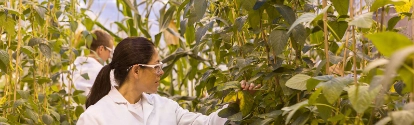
point(88, 23)
point(298, 82)
point(236, 117)
point(287, 13)
point(336, 118)
point(341, 6)
point(200, 9)
point(85, 76)
point(45, 49)
point(299, 34)
point(232, 109)
point(78, 111)
point(246, 102)
point(201, 31)
point(4, 60)
point(190, 34)
point(266, 121)
point(362, 98)
point(42, 80)
point(73, 26)
point(80, 99)
point(41, 11)
point(24, 94)
point(18, 103)
point(314, 96)
point(335, 59)
point(311, 84)
point(32, 115)
point(35, 41)
point(165, 19)
point(8, 24)
point(130, 6)
point(55, 114)
point(258, 4)
point(247, 4)
point(47, 119)
point(253, 18)
point(389, 42)
point(375, 64)
point(396, 60)
point(272, 114)
point(392, 22)
point(339, 28)
point(332, 89)
point(28, 50)
point(292, 109)
point(302, 119)
point(278, 41)
point(407, 78)
point(323, 111)
point(231, 97)
point(228, 85)
point(380, 3)
point(324, 78)
point(239, 23)
point(362, 21)
point(403, 117)
point(307, 17)
point(375, 82)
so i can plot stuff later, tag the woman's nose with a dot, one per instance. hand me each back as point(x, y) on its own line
point(161, 73)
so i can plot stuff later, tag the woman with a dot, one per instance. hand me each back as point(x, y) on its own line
point(101, 51)
point(137, 70)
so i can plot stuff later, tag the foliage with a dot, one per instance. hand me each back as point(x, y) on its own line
point(363, 76)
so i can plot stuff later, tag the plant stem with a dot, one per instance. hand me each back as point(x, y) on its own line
point(19, 41)
point(412, 38)
point(325, 33)
point(351, 6)
point(345, 53)
point(382, 18)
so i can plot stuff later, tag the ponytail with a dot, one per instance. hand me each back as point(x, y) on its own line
point(101, 86)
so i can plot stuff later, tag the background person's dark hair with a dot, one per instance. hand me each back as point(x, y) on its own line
point(102, 39)
point(130, 51)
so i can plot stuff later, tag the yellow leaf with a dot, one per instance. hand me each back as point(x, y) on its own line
point(2, 100)
point(404, 8)
point(170, 38)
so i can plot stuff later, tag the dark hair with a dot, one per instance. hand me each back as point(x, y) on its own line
point(130, 51)
point(102, 39)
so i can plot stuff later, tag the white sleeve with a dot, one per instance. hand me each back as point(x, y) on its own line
point(82, 84)
point(87, 119)
point(184, 117)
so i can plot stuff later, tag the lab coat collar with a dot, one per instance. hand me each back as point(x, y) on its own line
point(119, 99)
point(147, 102)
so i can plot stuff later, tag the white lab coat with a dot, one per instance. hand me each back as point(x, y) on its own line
point(84, 65)
point(114, 109)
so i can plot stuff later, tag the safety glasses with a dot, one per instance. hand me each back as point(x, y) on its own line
point(157, 67)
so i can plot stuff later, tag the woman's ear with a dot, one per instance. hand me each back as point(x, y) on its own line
point(100, 49)
point(136, 69)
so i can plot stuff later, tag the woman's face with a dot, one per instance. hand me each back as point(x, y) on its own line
point(149, 77)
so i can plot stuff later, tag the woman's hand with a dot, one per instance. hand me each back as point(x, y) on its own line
point(249, 86)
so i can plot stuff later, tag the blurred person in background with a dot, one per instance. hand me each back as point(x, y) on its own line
point(101, 50)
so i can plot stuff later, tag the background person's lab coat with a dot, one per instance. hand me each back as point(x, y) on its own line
point(89, 66)
point(114, 109)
